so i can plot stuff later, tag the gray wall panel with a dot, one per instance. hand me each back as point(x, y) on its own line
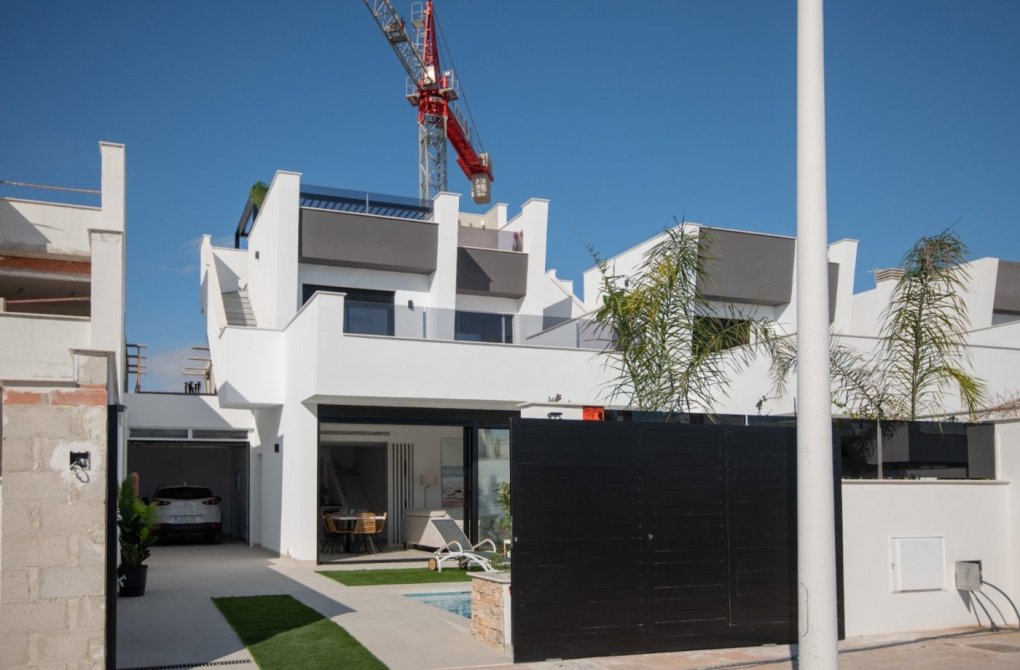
point(365, 241)
point(488, 272)
point(748, 267)
point(1007, 288)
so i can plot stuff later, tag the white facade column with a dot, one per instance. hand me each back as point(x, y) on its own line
point(816, 539)
point(273, 285)
point(109, 268)
point(443, 291)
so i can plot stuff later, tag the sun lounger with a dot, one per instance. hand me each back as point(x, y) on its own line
point(457, 547)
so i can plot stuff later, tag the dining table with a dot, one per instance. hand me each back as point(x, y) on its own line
point(346, 523)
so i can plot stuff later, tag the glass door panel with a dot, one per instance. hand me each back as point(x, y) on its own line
point(493, 470)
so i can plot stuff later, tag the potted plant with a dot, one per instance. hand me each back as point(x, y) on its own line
point(137, 522)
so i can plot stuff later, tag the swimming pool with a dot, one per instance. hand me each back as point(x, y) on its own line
point(458, 602)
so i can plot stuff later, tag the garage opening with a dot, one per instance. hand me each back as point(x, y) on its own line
point(215, 459)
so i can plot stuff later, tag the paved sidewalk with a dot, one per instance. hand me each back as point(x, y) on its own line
point(176, 624)
point(942, 650)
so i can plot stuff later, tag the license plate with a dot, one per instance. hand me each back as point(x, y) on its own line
point(185, 518)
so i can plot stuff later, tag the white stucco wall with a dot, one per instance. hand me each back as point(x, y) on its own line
point(169, 410)
point(533, 222)
point(273, 276)
point(53, 229)
point(973, 517)
point(1007, 448)
point(38, 347)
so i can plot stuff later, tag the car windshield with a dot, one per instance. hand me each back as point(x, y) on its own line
point(184, 493)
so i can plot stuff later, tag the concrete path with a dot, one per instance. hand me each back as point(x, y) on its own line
point(942, 650)
point(176, 624)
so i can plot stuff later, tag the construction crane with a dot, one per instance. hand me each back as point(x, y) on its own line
point(434, 92)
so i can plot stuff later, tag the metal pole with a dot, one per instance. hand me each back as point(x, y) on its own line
point(880, 457)
point(816, 540)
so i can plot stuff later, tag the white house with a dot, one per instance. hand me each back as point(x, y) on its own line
point(370, 352)
point(382, 348)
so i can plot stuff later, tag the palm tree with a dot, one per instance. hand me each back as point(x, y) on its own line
point(924, 330)
point(923, 349)
point(671, 350)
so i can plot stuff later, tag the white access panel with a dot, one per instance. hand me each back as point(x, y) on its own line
point(918, 563)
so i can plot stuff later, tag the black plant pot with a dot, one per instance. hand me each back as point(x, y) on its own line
point(132, 580)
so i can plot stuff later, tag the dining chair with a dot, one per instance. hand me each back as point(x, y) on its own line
point(339, 536)
point(365, 528)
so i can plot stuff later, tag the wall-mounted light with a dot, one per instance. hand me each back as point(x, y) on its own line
point(410, 304)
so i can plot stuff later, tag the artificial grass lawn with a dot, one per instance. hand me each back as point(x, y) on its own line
point(397, 576)
point(281, 633)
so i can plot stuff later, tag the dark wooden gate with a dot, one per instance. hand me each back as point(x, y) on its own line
point(644, 537)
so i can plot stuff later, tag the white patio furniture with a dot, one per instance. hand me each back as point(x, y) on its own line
point(457, 547)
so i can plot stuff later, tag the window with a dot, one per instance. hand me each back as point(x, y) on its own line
point(484, 327)
point(718, 334)
point(365, 312)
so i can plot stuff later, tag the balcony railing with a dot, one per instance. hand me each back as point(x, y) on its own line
point(486, 238)
point(431, 323)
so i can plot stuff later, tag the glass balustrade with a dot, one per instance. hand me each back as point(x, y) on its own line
point(431, 323)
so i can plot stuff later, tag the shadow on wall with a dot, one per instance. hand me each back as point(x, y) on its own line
point(20, 234)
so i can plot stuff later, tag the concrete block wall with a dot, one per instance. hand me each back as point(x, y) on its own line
point(53, 524)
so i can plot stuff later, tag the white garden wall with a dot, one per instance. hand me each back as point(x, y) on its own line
point(973, 517)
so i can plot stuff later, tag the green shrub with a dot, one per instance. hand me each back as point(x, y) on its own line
point(137, 521)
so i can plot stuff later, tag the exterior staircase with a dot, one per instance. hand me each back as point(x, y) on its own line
point(238, 308)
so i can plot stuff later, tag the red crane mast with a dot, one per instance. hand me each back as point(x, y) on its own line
point(434, 92)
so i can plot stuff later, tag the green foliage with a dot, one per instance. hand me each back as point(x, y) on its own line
point(257, 194)
point(136, 521)
point(672, 350)
point(503, 500)
point(857, 387)
point(281, 633)
point(924, 329)
point(923, 352)
point(395, 576)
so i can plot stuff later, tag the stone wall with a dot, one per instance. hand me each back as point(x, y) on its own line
point(490, 609)
point(53, 527)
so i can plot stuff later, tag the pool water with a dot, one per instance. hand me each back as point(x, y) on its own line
point(458, 602)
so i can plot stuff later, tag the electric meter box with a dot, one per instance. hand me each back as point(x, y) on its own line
point(968, 575)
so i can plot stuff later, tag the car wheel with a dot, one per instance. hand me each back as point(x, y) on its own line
point(216, 537)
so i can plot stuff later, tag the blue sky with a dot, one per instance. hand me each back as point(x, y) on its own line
point(622, 114)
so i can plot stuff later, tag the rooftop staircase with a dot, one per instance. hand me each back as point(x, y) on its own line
point(238, 308)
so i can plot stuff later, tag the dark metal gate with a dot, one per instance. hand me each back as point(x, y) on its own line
point(644, 537)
